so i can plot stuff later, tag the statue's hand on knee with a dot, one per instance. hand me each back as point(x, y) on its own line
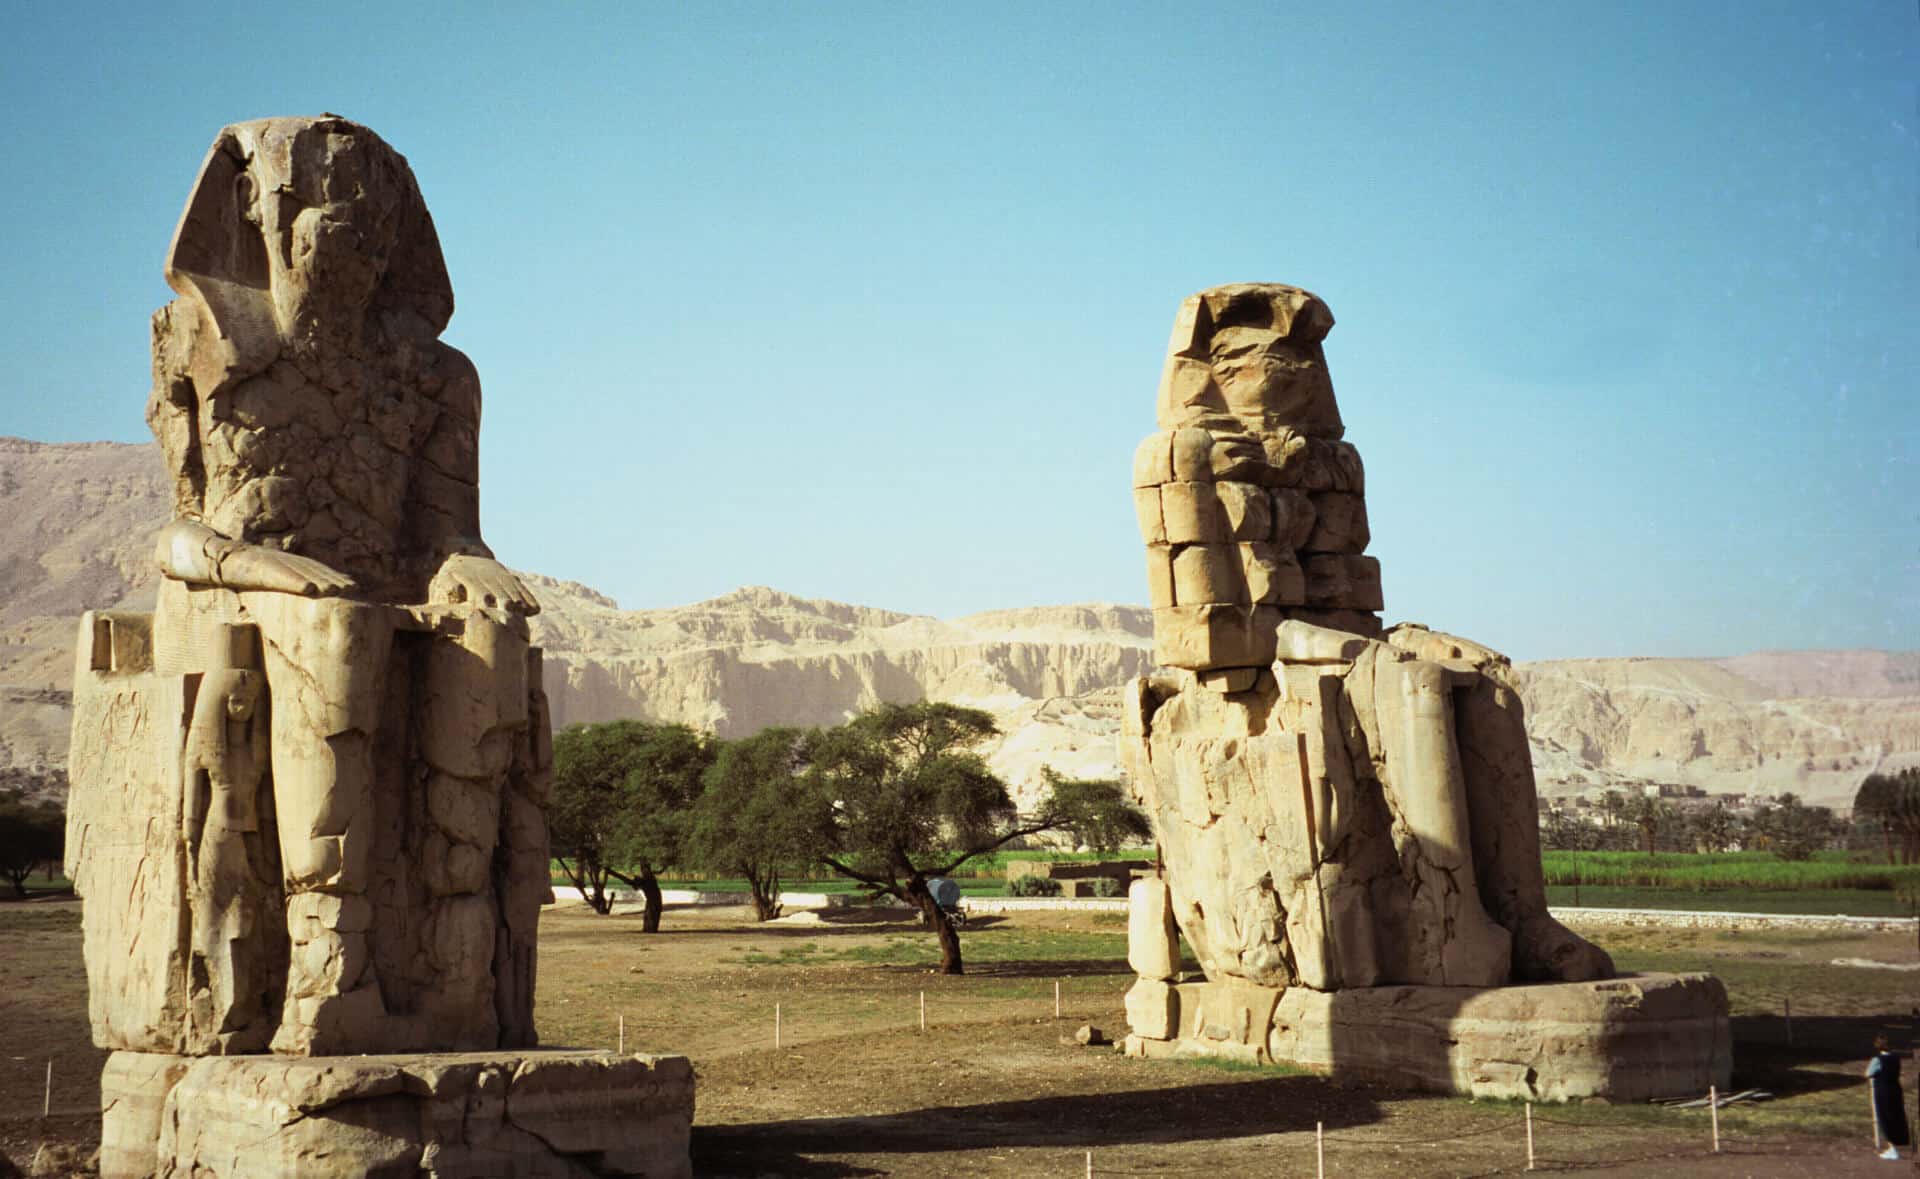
point(482, 581)
point(192, 552)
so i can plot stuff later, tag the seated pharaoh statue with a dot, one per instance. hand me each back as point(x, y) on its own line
point(1336, 806)
point(333, 711)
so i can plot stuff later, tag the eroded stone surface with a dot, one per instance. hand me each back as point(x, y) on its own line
point(1421, 861)
point(1252, 506)
point(444, 1115)
point(1337, 807)
point(1623, 1039)
point(307, 790)
point(325, 752)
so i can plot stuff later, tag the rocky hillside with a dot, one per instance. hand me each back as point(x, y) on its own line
point(1710, 723)
point(76, 523)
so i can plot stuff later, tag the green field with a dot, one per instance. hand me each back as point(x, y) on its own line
point(1740, 871)
point(1852, 902)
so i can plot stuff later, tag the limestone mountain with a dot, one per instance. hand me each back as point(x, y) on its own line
point(77, 523)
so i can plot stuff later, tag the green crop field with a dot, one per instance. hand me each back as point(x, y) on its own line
point(1745, 871)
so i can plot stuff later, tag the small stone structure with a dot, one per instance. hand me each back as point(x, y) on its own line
point(1080, 878)
point(306, 813)
point(1342, 810)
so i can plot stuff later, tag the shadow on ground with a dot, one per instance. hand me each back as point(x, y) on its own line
point(1190, 1113)
point(1763, 1058)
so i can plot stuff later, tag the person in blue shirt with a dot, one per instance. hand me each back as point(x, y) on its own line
point(1889, 1107)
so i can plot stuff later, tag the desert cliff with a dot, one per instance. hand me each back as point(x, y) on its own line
point(77, 522)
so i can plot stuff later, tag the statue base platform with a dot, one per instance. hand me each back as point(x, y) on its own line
point(538, 1112)
point(1629, 1038)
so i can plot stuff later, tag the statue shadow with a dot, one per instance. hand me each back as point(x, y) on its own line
point(1166, 1116)
point(1764, 1057)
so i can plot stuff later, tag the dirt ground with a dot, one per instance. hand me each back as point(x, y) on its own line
point(856, 1088)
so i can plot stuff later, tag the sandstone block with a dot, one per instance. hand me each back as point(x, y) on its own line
point(1193, 515)
point(1160, 591)
point(1192, 456)
point(1342, 581)
point(1153, 461)
point(1626, 1039)
point(1153, 941)
point(1152, 1010)
point(1273, 575)
point(1146, 507)
point(1230, 679)
point(1248, 509)
point(1204, 573)
point(1340, 523)
point(1293, 517)
point(466, 1114)
point(1238, 458)
point(1187, 391)
point(1302, 642)
point(133, 1098)
point(1214, 636)
point(1230, 1013)
point(1359, 622)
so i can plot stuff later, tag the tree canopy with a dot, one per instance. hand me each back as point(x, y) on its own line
point(1892, 802)
point(32, 834)
point(901, 794)
point(623, 794)
point(748, 819)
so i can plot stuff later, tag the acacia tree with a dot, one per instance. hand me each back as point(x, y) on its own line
point(1711, 827)
point(1892, 802)
point(1652, 817)
point(31, 834)
point(901, 795)
point(1793, 830)
point(748, 819)
point(1095, 810)
point(622, 793)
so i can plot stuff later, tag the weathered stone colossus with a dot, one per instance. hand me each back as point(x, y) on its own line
point(1337, 807)
point(307, 796)
point(1252, 507)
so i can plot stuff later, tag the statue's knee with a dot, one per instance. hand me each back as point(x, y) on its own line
point(312, 863)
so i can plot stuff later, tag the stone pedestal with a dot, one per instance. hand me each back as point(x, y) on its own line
point(1623, 1039)
point(474, 1114)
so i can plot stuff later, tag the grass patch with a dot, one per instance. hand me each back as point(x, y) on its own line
point(978, 946)
point(1707, 872)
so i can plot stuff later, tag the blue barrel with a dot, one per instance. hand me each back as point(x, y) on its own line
point(945, 892)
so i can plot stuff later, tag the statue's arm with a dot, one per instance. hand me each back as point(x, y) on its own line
point(446, 501)
point(190, 551)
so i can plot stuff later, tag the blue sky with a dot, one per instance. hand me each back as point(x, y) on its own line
point(868, 301)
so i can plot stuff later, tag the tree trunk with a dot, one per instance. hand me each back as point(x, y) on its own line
point(766, 894)
point(650, 889)
point(591, 881)
point(934, 915)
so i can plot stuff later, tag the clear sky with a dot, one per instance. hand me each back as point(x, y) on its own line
point(868, 302)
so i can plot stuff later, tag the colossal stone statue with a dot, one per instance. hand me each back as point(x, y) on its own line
point(1338, 807)
point(307, 797)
